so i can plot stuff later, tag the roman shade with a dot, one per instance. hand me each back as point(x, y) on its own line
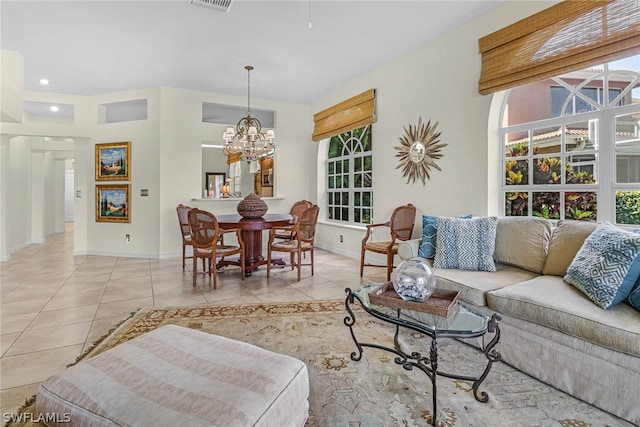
point(568, 36)
point(350, 114)
point(232, 158)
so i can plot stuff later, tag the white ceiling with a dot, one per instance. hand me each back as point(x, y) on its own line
point(92, 47)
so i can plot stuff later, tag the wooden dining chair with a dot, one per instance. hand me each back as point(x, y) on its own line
point(400, 227)
point(296, 210)
point(183, 220)
point(208, 243)
point(303, 232)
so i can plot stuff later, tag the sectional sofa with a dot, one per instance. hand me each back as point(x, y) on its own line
point(550, 329)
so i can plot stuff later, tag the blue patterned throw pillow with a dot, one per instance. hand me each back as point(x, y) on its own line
point(607, 266)
point(634, 297)
point(428, 243)
point(466, 244)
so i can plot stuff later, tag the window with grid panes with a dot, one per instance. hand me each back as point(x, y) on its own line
point(571, 146)
point(349, 177)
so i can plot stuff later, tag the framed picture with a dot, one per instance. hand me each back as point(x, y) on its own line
point(214, 183)
point(113, 203)
point(267, 178)
point(113, 161)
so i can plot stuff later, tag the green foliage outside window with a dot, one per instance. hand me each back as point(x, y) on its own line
point(581, 206)
point(335, 148)
point(517, 204)
point(547, 170)
point(517, 172)
point(546, 204)
point(628, 207)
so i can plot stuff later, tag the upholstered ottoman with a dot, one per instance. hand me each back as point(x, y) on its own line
point(176, 376)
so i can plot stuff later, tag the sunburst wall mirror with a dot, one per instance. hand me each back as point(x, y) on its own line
point(419, 151)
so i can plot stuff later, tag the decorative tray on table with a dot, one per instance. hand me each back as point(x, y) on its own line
point(441, 302)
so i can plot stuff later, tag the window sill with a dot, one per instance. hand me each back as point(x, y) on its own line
point(341, 225)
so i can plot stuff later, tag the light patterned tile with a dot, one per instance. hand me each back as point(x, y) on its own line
point(122, 308)
point(323, 291)
point(22, 307)
point(169, 300)
point(16, 322)
point(74, 300)
point(6, 340)
point(36, 367)
point(126, 293)
point(64, 316)
point(33, 340)
point(283, 295)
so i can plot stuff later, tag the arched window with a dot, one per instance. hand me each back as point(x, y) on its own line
point(571, 145)
point(349, 177)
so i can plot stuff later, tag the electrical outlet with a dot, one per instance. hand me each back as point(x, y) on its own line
point(127, 238)
point(341, 238)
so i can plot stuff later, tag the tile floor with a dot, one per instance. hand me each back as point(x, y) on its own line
point(54, 304)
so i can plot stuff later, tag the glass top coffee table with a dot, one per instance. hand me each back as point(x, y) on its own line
point(462, 322)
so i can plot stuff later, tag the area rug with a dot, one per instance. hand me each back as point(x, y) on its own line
point(374, 391)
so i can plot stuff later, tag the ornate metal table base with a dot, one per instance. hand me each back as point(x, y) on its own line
point(427, 364)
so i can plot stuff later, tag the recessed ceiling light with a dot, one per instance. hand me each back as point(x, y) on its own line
point(44, 82)
point(54, 108)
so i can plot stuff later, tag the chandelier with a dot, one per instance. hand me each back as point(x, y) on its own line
point(247, 138)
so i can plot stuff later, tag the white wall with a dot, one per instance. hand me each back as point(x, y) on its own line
point(19, 194)
point(108, 238)
point(11, 86)
point(439, 82)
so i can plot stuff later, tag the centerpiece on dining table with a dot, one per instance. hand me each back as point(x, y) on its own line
point(252, 206)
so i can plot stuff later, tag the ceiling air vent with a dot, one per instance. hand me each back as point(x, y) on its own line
point(219, 5)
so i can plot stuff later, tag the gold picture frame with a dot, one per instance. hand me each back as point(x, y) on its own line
point(113, 161)
point(113, 203)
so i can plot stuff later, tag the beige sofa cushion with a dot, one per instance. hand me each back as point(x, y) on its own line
point(566, 241)
point(474, 285)
point(550, 302)
point(523, 242)
point(409, 249)
point(176, 376)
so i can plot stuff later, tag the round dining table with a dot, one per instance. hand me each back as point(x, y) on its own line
point(251, 232)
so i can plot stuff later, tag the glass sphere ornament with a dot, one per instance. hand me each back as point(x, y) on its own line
point(413, 280)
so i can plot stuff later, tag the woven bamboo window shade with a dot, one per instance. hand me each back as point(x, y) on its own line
point(350, 114)
point(232, 158)
point(568, 36)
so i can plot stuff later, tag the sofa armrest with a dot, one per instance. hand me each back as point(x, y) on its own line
point(408, 249)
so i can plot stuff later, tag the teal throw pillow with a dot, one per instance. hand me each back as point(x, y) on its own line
point(428, 243)
point(634, 297)
point(607, 266)
point(466, 244)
